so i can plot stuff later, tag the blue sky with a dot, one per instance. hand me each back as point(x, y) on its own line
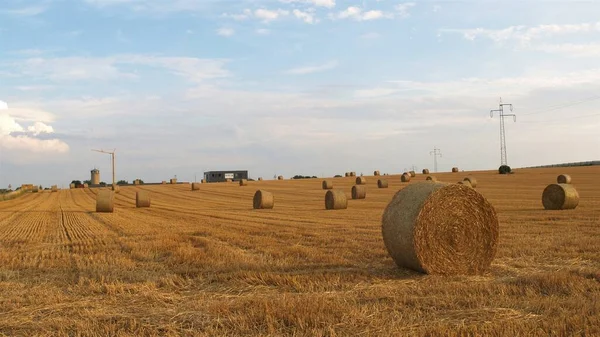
point(312, 87)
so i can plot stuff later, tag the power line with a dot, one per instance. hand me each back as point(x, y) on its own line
point(560, 119)
point(436, 153)
point(503, 159)
point(561, 106)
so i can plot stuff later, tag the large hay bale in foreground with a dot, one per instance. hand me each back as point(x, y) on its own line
point(560, 196)
point(438, 228)
point(563, 179)
point(376, 173)
point(195, 187)
point(280, 178)
point(336, 199)
point(263, 200)
point(382, 183)
point(142, 199)
point(105, 201)
point(327, 184)
point(454, 169)
point(361, 180)
point(431, 178)
point(359, 192)
point(243, 182)
point(405, 178)
point(425, 171)
point(412, 174)
point(471, 181)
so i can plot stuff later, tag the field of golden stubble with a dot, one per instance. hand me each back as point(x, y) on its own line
point(205, 263)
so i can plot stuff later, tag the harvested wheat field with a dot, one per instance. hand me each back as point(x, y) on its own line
point(206, 263)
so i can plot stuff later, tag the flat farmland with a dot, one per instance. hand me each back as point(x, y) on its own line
point(205, 263)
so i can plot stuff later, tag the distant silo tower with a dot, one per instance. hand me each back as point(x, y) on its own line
point(95, 177)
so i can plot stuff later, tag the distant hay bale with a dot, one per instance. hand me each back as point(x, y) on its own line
point(359, 192)
point(412, 174)
point(431, 178)
point(54, 188)
point(563, 179)
point(425, 171)
point(405, 177)
point(280, 178)
point(327, 184)
point(472, 181)
point(353, 174)
point(164, 182)
point(361, 180)
point(71, 186)
point(136, 182)
point(195, 187)
point(85, 185)
point(243, 182)
point(336, 199)
point(35, 189)
point(116, 188)
point(382, 183)
point(466, 183)
point(105, 201)
point(376, 173)
point(560, 196)
point(173, 181)
point(203, 181)
point(347, 174)
point(263, 200)
point(260, 179)
point(142, 199)
point(438, 228)
point(454, 169)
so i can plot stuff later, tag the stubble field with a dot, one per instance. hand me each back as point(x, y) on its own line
point(205, 263)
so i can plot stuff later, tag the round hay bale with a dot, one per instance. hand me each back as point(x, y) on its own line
point(504, 169)
point(361, 180)
point(142, 199)
point(347, 174)
point(54, 188)
point(280, 178)
point(173, 181)
point(195, 187)
point(336, 199)
point(105, 201)
point(116, 188)
point(164, 182)
point(359, 192)
point(431, 178)
point(228, 180)
point(560, 196)
point(203, 181)
point(327, 184)
point(405, 178)
point(454, 169)
point(382, 183)
point(412, 174)
point(471, 181)
point(353, 174)
point(465, 182)
point(425, 171)
point(71, 186)
point(85, 185)
point(376, 173)
point(243, 182)
point(260, 179)
point(437, 228)
point(563, 179)
point(263, 200)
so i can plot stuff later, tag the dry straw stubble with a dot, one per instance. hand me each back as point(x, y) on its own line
point(336, 199)
point(359, 192)
point(263, 200)
point(105, 201)
point(382, 183)
point(438, 228)
point(560, 196)
point(327, 184)
point(142, 199)
point(563, 179)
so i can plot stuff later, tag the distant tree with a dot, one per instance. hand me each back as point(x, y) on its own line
point(76, 182)
point(122, 182)
point(89, 182)
point(337, 176)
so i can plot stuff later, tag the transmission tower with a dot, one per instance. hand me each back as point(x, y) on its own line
point(500, 110)
point(436, 153)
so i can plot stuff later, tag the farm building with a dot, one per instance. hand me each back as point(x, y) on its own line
point(221, 176)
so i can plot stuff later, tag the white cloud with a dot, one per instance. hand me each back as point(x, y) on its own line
point(312, 69)
point(263, 31)
point(225, 32)
point(26, 11)
point(357, 13)
point(307, 17)
point(403, 9)
point(318, 3)
point(3, 105)
point(267, 15)
point(26, 143)
point(39, 128)
point(571, 49)
point(525, 34)
point(370, 36)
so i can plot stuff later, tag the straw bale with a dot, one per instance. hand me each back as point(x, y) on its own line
point(472, 181)
point(438, 228)
point(327, 184)
point(361, 180)
point(263, 200)
point(382, 183)
point(454, 169)
point(560, 196)
point(405, 177)
point(142, 199)
point(563, 179)
point(412, 174)
point(336, 199)
point(243, 182)
point(431, 178)
point(425, 171)
point(376, 173)
point(195, 187)
point(280, 178)
point(105, 201)
point(359, 192)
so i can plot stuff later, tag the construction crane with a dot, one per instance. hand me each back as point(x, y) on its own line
point(112, 157)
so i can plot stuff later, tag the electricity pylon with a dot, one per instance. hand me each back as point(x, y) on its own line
point(500, 110)
point(436, 153)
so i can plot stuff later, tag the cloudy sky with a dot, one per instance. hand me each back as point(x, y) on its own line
point(312, 87)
